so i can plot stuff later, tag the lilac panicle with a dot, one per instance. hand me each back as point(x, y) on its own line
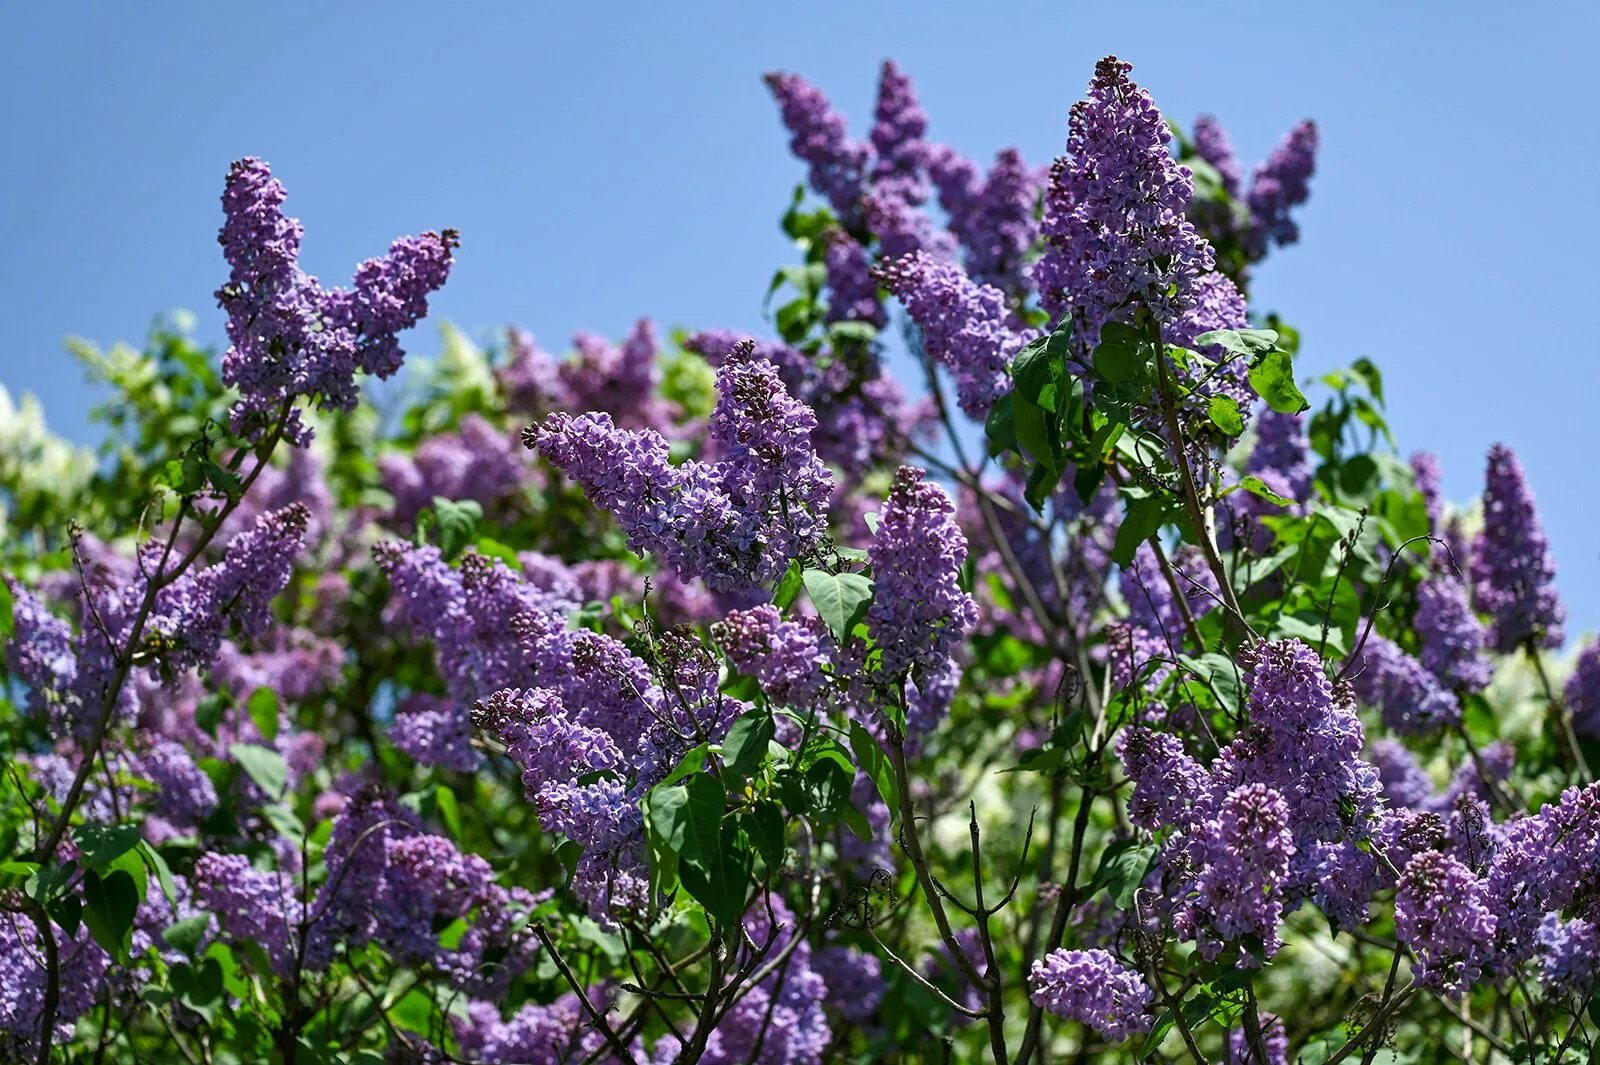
point(1512, 571)
point(1115, 227)
point(193, 613)
point(818, 137)
point(965, 326)
point(852, 290)
point(1583, 691)
point(1279, 184)
point(897, 132)
point(1212, 143)
point(252, 905)
point(290, 336)
point(1430, 483)
point(735, 523)
point(1168, 784)
point(1452, 636)
point(1408, 695)
point(1240, 891)
point(1443, 914)
point(478, 462)
point(919, 614)
point(787, 657)
point(40, 654)
point(993, 217)
point(1094, 988)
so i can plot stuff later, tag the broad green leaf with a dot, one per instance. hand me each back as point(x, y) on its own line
point(1273, 380)
point(709, 868)
point(789, 587)
point(263, 707)
point(1257, 487)
point(264, 766)
point(1248, 342)
point(104, 844)
point(872, 761)
point(444, 800)
point(1144, 518)
point(1123, 867)
point(7, 616)
point(109, 906)
point(186, 935)
point(745, 749)
point(840, 599)
point(766, 827)
point(1225, 414)
point(458, 523)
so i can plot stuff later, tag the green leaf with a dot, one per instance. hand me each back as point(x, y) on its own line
point(186, 935)
point(158, 865)
point(7, 616)
point(1220, 673)
point(444, 800)
point(840, 598)
point(663, 813)
point(1124, 356)
point(789, 587)
point(1225, 414)
point(266, 767)
point(1145, 516)
point(872, 761)
point(745, 749)
point(263, 707)
point(458, 523)
point(710, 869)
point(109, 907)
point(1273, 380)
point(66, 911)
point(765, 826)
point(1248, 342)
point(1123, 867)
point(199, 987)
point(104, 844)
point(1000, 426)
point(1257, 487)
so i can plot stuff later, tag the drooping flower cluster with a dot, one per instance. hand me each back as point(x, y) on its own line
point(1512, 571)
point(818, 136)
point(1115, 229)
point(965, 327)
point(1408, 695)
point(1279, 184)
point(994, 217)
point(1452, 636)
point(734, 523)
point(919, 614)
point(1212, 143)
point(1583, 691)
point(1093, 987)
point(292, 337)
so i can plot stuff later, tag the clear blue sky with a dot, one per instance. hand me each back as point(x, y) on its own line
point(604, 161)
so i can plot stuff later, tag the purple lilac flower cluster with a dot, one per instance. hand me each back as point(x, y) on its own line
point(1512, 571)
point(1115, 229)
point(1093, 987)
point(292, 337)
point(736, 522)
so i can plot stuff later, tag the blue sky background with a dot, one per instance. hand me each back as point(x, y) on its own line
point(606, 161)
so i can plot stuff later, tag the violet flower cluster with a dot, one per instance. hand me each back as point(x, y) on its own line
point(291, 337)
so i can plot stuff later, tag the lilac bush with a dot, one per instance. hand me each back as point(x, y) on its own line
point(703, 696)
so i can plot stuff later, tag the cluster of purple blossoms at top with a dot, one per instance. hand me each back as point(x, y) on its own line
point(1092, 987)
point(292, 337)
point(1212, 143)
point(1279, 184)
point(736, 522)
point(818, 137)
point(992, 215)
point(863, 416)
point(920, 614)
point(1115, 226)
point(965, 326)
point(1512, 572)
point(1583, 691)
point(1408, 694)
point(1452, 637)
